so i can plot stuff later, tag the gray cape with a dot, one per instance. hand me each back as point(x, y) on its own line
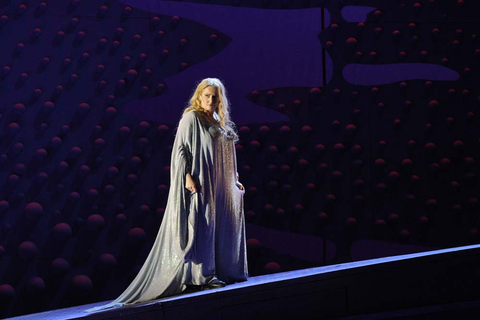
point(202, 234)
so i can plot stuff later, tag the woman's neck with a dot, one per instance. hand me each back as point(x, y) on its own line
point(210, 116)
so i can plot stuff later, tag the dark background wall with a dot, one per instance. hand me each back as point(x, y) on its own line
point(358, 123)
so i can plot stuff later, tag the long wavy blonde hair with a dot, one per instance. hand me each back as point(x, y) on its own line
point(223, 106)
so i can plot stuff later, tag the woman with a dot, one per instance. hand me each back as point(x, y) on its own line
point(201, 241)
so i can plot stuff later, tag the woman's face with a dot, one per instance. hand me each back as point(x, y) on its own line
point(209, 99)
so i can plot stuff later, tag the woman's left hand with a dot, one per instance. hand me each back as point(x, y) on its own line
point(240, 186)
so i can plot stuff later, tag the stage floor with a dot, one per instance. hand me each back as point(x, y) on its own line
point(331, 286)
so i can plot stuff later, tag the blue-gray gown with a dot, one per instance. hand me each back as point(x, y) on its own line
point(202, 234)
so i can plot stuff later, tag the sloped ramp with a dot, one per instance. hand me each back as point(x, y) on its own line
point(406, 282)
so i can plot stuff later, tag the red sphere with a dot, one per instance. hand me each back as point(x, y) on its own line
point(27, 250)
point(81, 284)
point(62, 231)
point(59, 266)
point(272, 267)
point(7, 292)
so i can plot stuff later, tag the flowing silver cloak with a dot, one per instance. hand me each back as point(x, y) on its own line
point(202, 234)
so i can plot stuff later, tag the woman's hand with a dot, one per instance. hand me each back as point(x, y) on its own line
point(240, 186)
point(190, 184)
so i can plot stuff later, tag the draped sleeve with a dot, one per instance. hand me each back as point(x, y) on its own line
point(235, 167)
point(162, 272)
point(184, 151)
point(181, 161)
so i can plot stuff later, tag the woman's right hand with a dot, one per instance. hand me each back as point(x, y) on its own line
point(190, 184)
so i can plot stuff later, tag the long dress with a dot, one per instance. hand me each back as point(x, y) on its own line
point(202, 234)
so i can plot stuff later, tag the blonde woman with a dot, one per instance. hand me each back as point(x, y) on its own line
point(201, 242)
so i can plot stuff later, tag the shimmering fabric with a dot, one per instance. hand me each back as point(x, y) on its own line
point(202, 234)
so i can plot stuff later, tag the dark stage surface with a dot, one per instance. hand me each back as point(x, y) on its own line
point(412, 286)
